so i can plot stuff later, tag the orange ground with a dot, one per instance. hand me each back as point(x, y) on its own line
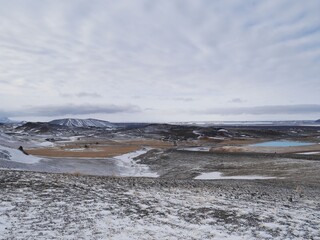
point(89, 149)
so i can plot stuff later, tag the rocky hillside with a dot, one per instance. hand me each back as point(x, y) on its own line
point(73, 122)
point(61, 206)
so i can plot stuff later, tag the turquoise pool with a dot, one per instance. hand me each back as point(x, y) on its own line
point(281, 143)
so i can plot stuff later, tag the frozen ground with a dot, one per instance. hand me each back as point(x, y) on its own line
point(122, 165)
point(25, 141)
point(35, 205)
point(309, 153)
point(10, 154)
point(130, 168)
point(195, 149)
point(219, 175)
point(59, 206)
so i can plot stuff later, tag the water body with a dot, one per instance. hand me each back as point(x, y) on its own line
point(282, 143)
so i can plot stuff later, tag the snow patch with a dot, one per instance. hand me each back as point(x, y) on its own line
point(196, 149)
point(222, 130)
point(218, 175)
point(17, 156)
point(308, 153)
point(46, 144)
point(131, 168)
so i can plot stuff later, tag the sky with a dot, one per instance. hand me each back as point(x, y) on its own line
point(160, 61)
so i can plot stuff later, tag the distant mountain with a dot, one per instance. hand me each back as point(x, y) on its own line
point(40, 127)
point(73, 122)
point(318, 121)
point(6, 120)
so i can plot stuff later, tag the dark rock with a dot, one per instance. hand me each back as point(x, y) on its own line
point(22, 150)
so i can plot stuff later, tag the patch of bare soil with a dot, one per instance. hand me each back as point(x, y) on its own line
point(228, 149)
point(98, 152)
point(97, 149)
point(253, 149)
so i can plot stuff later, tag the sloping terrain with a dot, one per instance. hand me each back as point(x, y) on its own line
point(38, 202)
point(55, 206)
point(73, 122)
point(42, 128)
point(5, 120)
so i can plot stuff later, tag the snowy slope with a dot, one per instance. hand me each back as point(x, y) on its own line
point(73, 122)
point(65, 206)
point(6, 120)
point(129, 168)
point(5, 137)
point(15, 155)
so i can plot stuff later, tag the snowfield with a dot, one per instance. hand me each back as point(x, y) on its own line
point(62, 206)
point(15, 155)
point(130, 168)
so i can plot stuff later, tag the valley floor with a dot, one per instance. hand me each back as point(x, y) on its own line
point(66, 206)
point(159, 181)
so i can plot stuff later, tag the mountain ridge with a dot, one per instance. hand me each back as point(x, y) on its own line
point(6, 120)
point(75, 122)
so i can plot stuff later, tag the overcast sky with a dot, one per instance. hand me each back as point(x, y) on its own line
point(167, 60)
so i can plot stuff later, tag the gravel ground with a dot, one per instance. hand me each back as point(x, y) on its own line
point(65, 206)
point(188, 164)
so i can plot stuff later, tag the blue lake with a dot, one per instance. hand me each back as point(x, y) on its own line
point(283, 143)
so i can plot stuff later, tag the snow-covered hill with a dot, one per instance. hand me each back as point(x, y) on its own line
point(11, 154)
point(6, 120)
point(73, 122)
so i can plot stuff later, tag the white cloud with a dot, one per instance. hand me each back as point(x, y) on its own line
point(265, 110)
point(237, 100)
point(267, 52)
point(81, 95)
point(71, 109)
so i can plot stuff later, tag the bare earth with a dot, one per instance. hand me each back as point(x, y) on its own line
point(299, 149)
point(101, 149)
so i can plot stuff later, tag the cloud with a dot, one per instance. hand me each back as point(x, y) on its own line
point(265, 110)
point(71, 109)
point(66, 95)
point(81, 95)
point(237, 100)
point(88, 94)
point(266, 52)
point(184, 99)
